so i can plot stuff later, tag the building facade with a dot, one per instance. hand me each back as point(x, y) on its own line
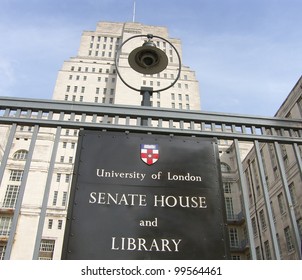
point(278, 175)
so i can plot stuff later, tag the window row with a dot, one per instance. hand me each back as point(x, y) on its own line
point(77, 89)
point(67, 145)
point(180, 97)
point(166, 76)
point(93, 70)
point(96, 99)
point(105, 39)
point(63, 198)
point(102, 54)
point(84, 78)
point(102, 46)
point(63, 177)
point(51, 224)
point(180, 106)
point(66, 159)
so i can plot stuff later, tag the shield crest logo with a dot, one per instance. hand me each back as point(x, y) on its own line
point(149, 153)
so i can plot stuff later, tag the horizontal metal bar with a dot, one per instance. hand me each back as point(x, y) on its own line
point(154, 113)
point(163, 130)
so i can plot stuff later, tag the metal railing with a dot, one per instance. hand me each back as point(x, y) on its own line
point(71, 115)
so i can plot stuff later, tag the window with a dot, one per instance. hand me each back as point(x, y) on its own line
point(46, 249)
point(227, 187)
point(293, 193)
point(10, 197)
point(254, 226)
point(5, 224)
point(58, 177)
point(64, 145)
point(2, 251)
point(267, 250)
point(229, 208)
point(50, 222)
point(60, 223)
point(20, 155)
point(64, 199)
point(262, 219)
point(16, 175)
point(67, 178)
point(281, 203)
point(55, 198)
point(288, 238)
point(234, 242)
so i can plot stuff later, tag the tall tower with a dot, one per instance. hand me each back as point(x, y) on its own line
point(91, 75)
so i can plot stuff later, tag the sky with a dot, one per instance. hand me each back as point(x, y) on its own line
point(247, 54)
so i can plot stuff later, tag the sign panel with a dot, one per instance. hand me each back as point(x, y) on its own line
point(140, 196)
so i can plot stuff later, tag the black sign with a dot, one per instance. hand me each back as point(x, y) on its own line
point(140, 196)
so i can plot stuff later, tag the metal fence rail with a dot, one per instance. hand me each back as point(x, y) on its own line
point(67, 115)
point(50, 113)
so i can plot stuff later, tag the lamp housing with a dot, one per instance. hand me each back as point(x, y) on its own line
point(148, 59)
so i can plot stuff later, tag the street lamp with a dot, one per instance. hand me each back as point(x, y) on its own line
point(148, 60)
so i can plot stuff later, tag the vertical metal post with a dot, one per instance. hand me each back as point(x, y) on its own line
point(146, 93)
point(245, 197)
point(46, 194)
point(298, 158)
point(8, 146)
point(288, 198)
point(267, 201)
point(13, 229)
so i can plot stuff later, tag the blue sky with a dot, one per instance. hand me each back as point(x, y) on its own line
point(246, 53)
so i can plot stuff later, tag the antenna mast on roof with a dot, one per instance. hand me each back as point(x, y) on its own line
point(133, 19)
